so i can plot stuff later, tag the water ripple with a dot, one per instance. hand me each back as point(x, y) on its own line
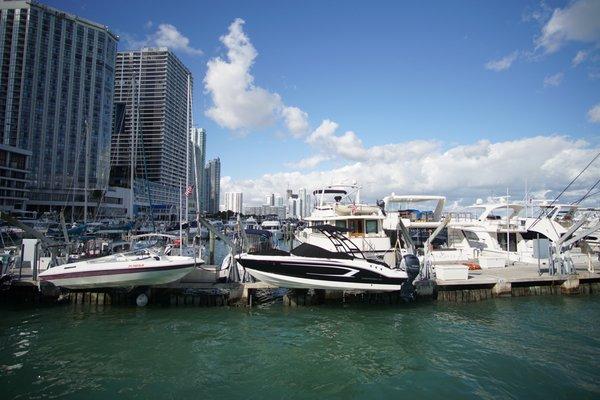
point(526, 348)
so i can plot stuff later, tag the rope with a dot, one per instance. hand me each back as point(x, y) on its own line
point(585, 196)
point(565, 189)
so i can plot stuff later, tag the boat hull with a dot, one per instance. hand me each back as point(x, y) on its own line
point(314, 273)
point(117, 277)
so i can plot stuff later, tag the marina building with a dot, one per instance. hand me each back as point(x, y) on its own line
point(212, 181)
point(234, 202)
point(152, 121)
point(56, 101)
point(13, 178)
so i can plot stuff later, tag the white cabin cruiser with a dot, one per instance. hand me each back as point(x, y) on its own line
point(140, 268)
point(273, 226)
point(497, 229)
point(339, 205)
point(313, 267)
point(420, 216)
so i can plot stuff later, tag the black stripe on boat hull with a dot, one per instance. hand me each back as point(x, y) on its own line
point(320, 271)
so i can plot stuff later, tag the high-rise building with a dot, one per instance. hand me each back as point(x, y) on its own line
point(197, 164)
point(56, 101)
point(302, 204)
point(270, 199)
point(234, 202)
point(152, 118)
point(278, 200)
point(212, 181)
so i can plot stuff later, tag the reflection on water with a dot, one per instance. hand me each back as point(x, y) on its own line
point(540, 347)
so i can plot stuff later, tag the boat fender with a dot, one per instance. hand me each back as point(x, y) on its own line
point(141, 300)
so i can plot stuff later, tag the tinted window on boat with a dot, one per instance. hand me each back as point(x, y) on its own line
point(371, 226)
point(340, 224)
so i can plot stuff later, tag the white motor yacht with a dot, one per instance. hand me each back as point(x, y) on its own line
point(274, 227)
point(421, 215)
point(339, 205)
point(497, 229)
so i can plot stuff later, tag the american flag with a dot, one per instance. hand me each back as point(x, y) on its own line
point(188, 190)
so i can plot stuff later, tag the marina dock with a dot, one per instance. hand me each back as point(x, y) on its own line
point(513, 281)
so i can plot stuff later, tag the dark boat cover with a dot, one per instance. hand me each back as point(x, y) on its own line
point(309, 250)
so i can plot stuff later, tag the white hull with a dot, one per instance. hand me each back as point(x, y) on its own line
point(303, 283)
point(150, 278)
point(119, 271)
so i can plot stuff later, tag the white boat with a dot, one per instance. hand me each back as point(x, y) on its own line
point(421, 215)
point(339, 205)
point(251, 224)
point(497, 229)
point(143, 268)
point(273, 226)
point(313, 267)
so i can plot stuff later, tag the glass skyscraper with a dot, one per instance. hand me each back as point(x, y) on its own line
point(56, 99)
point(212, 182)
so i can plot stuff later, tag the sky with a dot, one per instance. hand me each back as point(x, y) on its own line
point(465, 99)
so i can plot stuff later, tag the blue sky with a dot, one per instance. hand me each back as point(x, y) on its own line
point(446, 73)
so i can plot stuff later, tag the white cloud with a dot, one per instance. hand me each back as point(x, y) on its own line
point(309, 162)
point(553, 80)
point(166, 35)
point(502, 64)
point(579, 58)
point(579, 21)
point(464, 171)
point(347, 145)
point(296, 121)
point(594, 114)
point(239, 104)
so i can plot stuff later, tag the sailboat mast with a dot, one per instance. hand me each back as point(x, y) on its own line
point(507, 232)
point(187, 149)
point(180, 217)
point(86, 172)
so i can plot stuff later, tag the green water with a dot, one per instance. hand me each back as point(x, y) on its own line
point(538, 347)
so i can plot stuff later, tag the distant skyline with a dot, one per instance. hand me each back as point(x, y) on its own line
point(462, 99)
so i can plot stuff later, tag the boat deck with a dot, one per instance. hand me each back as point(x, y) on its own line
point(521, 273)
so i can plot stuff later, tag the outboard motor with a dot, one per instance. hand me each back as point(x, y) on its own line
point(412, 266)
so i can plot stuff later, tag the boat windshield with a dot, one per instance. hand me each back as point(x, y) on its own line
point(497, 213)
point(422, 210)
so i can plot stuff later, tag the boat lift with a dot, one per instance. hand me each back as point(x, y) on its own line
point(427, 259)
point(560, 257)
